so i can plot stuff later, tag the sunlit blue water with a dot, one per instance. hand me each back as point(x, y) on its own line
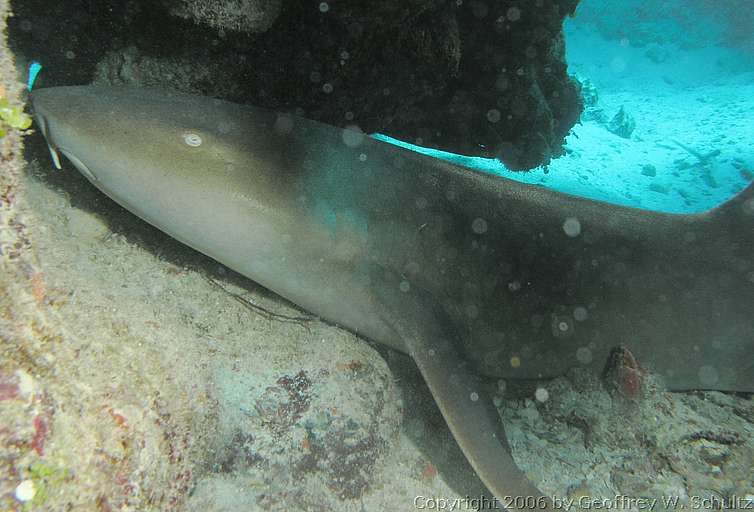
point(689, 86)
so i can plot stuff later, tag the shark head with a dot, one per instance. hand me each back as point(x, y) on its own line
point(56, 111)
point(150, 150)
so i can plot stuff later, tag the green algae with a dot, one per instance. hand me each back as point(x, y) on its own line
point(45, 478)
point(12, 117)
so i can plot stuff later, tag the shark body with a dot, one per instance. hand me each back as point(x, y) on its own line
point(470, 274)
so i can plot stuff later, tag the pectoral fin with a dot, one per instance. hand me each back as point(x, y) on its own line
point(421, 324)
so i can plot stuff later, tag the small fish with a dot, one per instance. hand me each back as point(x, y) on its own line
point(34, 69)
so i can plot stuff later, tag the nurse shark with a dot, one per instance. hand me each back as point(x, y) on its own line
point(469, 273)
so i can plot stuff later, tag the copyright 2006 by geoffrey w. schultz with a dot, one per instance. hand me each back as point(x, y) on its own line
point(617, 503)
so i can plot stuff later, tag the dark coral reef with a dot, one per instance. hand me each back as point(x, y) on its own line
point(473, 77)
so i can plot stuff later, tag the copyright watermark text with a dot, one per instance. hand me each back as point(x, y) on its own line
point(619, 502)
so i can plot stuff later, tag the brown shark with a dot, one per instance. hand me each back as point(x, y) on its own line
point(471, 274)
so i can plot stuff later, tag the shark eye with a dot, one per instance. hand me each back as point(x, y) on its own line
point(192, 139)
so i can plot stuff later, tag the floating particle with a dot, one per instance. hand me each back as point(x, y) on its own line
point(580, 313)
point(25, 491)
point(192, 139)
point(479, 226)
point(541, 395)
point(324, 7)
point(327, 88)
point(474, 396)
point(515, 362)
point(405, 286)
point(562, 326)
point(584, 355)
point(479, 9)
point(493, 115)
point(708, 375)
point(513, 14)
point(412, 268)
point(352, 136)
point(572, 227)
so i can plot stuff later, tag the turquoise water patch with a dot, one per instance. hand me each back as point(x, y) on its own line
point(599, 167)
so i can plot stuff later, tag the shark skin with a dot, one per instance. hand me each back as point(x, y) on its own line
point(470, 274)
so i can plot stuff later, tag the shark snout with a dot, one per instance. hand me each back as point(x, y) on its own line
point(43, 119)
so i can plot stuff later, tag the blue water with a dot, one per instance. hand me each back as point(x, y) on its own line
point(685, 75)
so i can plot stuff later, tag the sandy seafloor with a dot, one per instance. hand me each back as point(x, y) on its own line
point(274, 413)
